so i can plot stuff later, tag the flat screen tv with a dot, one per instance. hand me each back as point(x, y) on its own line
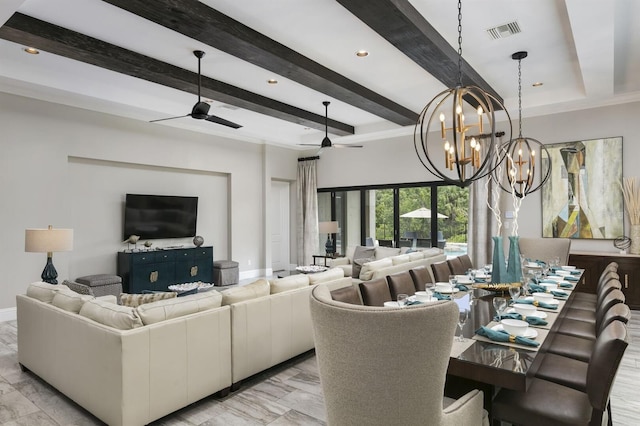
point(160, 216)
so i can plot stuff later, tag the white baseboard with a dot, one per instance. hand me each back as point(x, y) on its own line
point(8, 314)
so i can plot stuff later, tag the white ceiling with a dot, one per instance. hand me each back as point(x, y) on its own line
point(586, 52)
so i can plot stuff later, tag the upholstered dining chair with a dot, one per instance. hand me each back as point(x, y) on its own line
point(589, 330)
point(603, 304)
point(610, 273)
point(400, 283)
point(387, 366)
point(375, 292)
point(421, 277)
point(545, 248)
point(441, 271)
point(547, 403)
point(466, 261)
point(456, 266)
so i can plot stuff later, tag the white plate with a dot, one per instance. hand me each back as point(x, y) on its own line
point(391, 304)
point(563, 273)
point(482, 276)
point(531, 333)
point(550, 302)
point(533, 265)
point(447, 291)
point(568, 268)
point(539, 314)
point(463, 279)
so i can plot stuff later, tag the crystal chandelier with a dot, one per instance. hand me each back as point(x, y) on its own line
point(463, 117)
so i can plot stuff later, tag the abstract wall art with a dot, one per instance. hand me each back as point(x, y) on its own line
point(583, 197)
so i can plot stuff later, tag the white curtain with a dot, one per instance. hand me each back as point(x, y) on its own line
point(307, 229)
point(482, 222)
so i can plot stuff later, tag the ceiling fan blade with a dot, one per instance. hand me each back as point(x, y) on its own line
point(170, 118)
point(219, 120)
point(309, 144)
point(339, 145)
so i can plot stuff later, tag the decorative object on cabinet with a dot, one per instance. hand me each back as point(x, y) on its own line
point(133, 239)
point(198, 240)
point(622, 243)
point(578, 202)
point(156, 270)
point(631, 192)
point(48, 241)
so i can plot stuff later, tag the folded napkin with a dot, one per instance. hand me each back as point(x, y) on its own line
point(570, 278)
point(480, 280)
point(441, 296)
point(412, 302)
point(547, 281)
point(539, 304)
point(535, 288)
point(462, 287)
point(503, 336)
point(565, 285)
point(559, 293)
point(530, 319)
point(574, 272)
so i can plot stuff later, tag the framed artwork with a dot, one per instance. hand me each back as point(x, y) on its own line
point(583, 197)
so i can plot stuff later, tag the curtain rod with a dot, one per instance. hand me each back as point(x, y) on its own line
point(316, 157)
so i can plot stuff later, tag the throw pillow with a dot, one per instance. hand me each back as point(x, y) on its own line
point(329, 275)
point(44, 292)
point(161, 310)
point(357, 266)
point(116, 316)
point(259, 288)
point(362, 252)
point(135, 300)
point(291, 282)
point(347, 295)
point(69, 300)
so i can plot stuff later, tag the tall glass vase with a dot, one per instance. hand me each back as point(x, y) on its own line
point(514, 267)
point(499, 269)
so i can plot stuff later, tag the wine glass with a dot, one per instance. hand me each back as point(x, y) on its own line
point(402, 300)
point(453, 281)
point(463, 315)
point(499, 304)
point(514, 292)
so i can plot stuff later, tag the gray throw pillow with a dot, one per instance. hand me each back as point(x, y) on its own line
point(362, 252)
point(357, 265)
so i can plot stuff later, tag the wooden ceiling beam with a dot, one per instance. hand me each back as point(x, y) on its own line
point(29, 31)
point(196, 20)
point(404, 27)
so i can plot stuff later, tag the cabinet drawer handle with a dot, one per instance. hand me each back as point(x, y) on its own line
point(626, 281)
point(194, 271)
point(153, 276)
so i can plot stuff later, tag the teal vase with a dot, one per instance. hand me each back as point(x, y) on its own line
point(514, 267)
point(499, 269)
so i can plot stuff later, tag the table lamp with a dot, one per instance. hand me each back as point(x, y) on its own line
point(48, 241)
point(328, 228)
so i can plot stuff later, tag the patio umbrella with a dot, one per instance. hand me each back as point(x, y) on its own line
point(422, 212)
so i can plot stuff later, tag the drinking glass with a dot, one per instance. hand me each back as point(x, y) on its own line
point(402, 300)
point(514, 292)
point(463, 315)
point(453, 281)
point(499, 304)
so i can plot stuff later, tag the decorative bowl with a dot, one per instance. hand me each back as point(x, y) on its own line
point(515, 327)
point(542, 297)
point(549, 286)
point(524, 309)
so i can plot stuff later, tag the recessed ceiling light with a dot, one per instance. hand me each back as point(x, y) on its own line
point(537, 84)
point(31, 50)
point(272, 81)
point(362, 53)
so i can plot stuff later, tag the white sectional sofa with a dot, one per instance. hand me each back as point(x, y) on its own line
point(131, 366)
point(386, 261)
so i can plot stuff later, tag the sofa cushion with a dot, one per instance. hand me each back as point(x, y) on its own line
point(400, 259)
point(135, 300)
point(289, 283)
point(366, 273)
point(161, 310)
point(44, 292)
point(259, 288)
point(415, 255)
point(383, 252)
point(329, 275)
point(69, 300)
point(431, 252)
point(357, 265)
point(116, 316)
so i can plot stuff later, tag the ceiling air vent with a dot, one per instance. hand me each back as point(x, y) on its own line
point(505, 30)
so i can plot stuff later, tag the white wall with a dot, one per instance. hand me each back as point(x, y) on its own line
point(70, 168)
point(394, 160)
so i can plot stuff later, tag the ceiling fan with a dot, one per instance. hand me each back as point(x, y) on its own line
point(200, 110)
point(326, 142)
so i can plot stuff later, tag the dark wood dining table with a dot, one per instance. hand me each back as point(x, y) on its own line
point(490, 366)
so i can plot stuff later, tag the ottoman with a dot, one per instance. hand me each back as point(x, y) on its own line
point(103, 284)
point(225, 272)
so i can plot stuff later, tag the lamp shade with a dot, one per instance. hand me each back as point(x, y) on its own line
point(328, 227)
point(48, 240)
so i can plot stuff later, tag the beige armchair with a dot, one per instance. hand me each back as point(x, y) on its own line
point(545, 248)
point(386, 366)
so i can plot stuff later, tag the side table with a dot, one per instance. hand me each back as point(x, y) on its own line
point(325, 257)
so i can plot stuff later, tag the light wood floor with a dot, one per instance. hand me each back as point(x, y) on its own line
point(289, 394)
